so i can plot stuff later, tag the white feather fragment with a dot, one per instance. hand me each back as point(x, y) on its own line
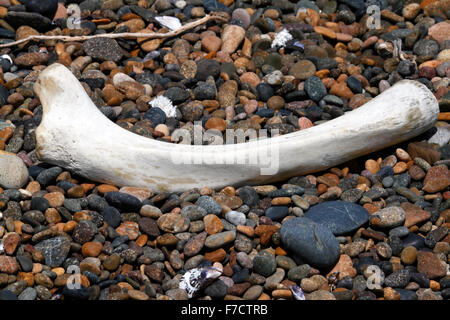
point(165, 105)
point(281, 38)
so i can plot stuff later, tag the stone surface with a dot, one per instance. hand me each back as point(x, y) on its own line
point(437, 179)
point(429, 264)
point(313, 242)
point(388, 217)
point(339, 216)
point(103, 49)
point(13, 172)
point(232, 36)
point(54, 250)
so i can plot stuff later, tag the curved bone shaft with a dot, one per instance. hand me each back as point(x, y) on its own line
point(75, 135)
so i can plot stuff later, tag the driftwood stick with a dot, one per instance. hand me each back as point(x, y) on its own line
point(152, 35)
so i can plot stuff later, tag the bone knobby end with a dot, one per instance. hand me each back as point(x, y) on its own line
point(75, 135)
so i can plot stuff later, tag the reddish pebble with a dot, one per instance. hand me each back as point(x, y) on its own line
point(304, 123)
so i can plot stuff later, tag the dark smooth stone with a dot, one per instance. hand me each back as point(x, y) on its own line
point(288, 192)
point(112, 216)
point(45, 177)
point(40, 204)
point(75, 294)
point(339, 216)
point(414, 240)
point(7, 295)
point(407, 294)
point(421, 279)
point(123, 201)
point(277, 213)
point(311, 241)
point(156, 116)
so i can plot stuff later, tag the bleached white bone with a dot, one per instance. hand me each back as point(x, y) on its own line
point(75, 135)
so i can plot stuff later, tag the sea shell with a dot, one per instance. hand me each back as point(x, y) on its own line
point(196, 278)
point(170, 22)
point(297, 292)
point(7, 57)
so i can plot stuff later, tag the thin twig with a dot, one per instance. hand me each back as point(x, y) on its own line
point(152, 35)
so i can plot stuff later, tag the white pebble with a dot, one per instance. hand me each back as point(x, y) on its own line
point(13, 172)
point(180, 4)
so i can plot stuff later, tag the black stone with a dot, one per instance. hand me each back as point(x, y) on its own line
point(264, 112)
point(206, 68)
point(176, 94)
point(123, 201)
point(407, 294)
point(315, 88)
point(339, 216)
point(75, 294)
point(103, 49)
point(40, 204)
point(277, 213)
point(265, 91)
point(240, 276)
point(217, 290)
point(205, 91)
point(73, 205)
point(54, 250)
point(156, 116)
point(396, 244)
point(264, 264)
point(31, 19)
point(414, 240)
point(7, 295)
point(354, 84)
point(310, 241)
point(47, 176)
point(249, 196)
point(46, 8)
point(26, 264)
point(406, 68)
point(421, 279)
point(385, 172)
point(111, 216)
point(287, 192)
point(398, 279)
point(149, 226)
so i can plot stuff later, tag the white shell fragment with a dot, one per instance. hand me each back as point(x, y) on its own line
point(194, 279)
point(169, 22)
point(75, 135)
point(297, 292)
point(7, 57)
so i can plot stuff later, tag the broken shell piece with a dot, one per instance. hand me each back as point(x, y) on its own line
point(76, 135)
point(170, 22)
point(297, 292)
point(194, 279)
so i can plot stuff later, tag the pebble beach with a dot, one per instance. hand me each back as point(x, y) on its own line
point(373, 228)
